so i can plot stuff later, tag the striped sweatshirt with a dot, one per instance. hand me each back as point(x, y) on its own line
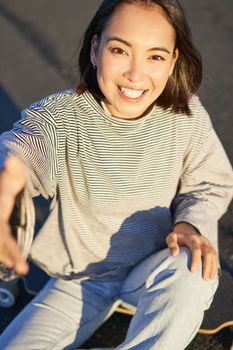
point(118, 186)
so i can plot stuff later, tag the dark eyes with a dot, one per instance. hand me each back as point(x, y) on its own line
point(119, 51)
point(157, 58)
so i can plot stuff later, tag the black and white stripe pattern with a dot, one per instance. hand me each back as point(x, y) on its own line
point(119, 185)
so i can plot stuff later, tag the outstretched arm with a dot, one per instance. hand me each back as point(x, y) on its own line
point(27, 167)
point(12, 182)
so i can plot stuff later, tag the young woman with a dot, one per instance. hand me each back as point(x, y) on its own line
point(138, 179)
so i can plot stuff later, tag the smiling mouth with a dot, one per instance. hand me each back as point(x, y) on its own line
point(131, 93)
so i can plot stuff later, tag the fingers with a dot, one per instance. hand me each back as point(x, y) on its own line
point(173, 244)
point(196, 259)
point(17, 263)
point(9, 252)
point(12, 181)
point(215, 266)
point(201, 250)
point(210, 264)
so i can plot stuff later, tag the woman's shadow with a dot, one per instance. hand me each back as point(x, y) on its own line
point(139, 236)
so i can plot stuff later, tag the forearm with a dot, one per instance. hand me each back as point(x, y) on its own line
point(15, 236)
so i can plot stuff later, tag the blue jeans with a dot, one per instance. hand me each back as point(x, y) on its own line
point(170, 302)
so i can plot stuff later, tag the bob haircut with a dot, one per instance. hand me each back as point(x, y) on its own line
point(187, 73)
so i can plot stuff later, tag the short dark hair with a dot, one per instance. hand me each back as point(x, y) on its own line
point(187, 74)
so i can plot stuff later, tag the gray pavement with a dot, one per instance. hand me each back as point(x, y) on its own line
point(39, 42)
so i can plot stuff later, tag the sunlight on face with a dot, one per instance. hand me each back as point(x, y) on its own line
point(134, 59)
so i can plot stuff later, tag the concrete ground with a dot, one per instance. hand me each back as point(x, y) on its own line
point(38, 51)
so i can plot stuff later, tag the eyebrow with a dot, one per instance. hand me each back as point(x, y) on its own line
point(157, 48)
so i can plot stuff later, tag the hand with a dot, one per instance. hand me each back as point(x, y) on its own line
point(184, 234)
point(12, 181)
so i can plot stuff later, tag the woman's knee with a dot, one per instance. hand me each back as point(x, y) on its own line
point(174, 274)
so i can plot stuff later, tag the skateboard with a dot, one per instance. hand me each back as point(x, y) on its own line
point(219, 315)
point(29, 285)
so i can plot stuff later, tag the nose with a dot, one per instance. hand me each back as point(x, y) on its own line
point(134, 71)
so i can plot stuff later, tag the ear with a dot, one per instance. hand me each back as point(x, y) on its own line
point(94, 50)
point(174, 59)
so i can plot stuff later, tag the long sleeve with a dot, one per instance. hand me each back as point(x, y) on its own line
point(206, 183)
point(34, 140)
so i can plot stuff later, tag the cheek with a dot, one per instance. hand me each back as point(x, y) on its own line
point(107, 68)
point(160, 77)
point(161, 74)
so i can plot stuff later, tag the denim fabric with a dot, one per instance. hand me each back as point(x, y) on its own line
point(169, 301)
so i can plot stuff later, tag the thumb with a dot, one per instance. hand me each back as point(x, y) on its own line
point(172, 243)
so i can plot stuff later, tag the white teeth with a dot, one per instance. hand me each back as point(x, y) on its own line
point(132, 93)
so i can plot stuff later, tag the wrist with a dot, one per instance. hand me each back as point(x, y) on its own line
point(185, 227)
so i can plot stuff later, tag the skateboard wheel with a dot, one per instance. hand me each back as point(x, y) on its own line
point(8, 294)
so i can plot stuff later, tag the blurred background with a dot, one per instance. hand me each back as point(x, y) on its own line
point(39, 42)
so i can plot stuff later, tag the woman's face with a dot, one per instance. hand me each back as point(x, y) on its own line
point(134, 59)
